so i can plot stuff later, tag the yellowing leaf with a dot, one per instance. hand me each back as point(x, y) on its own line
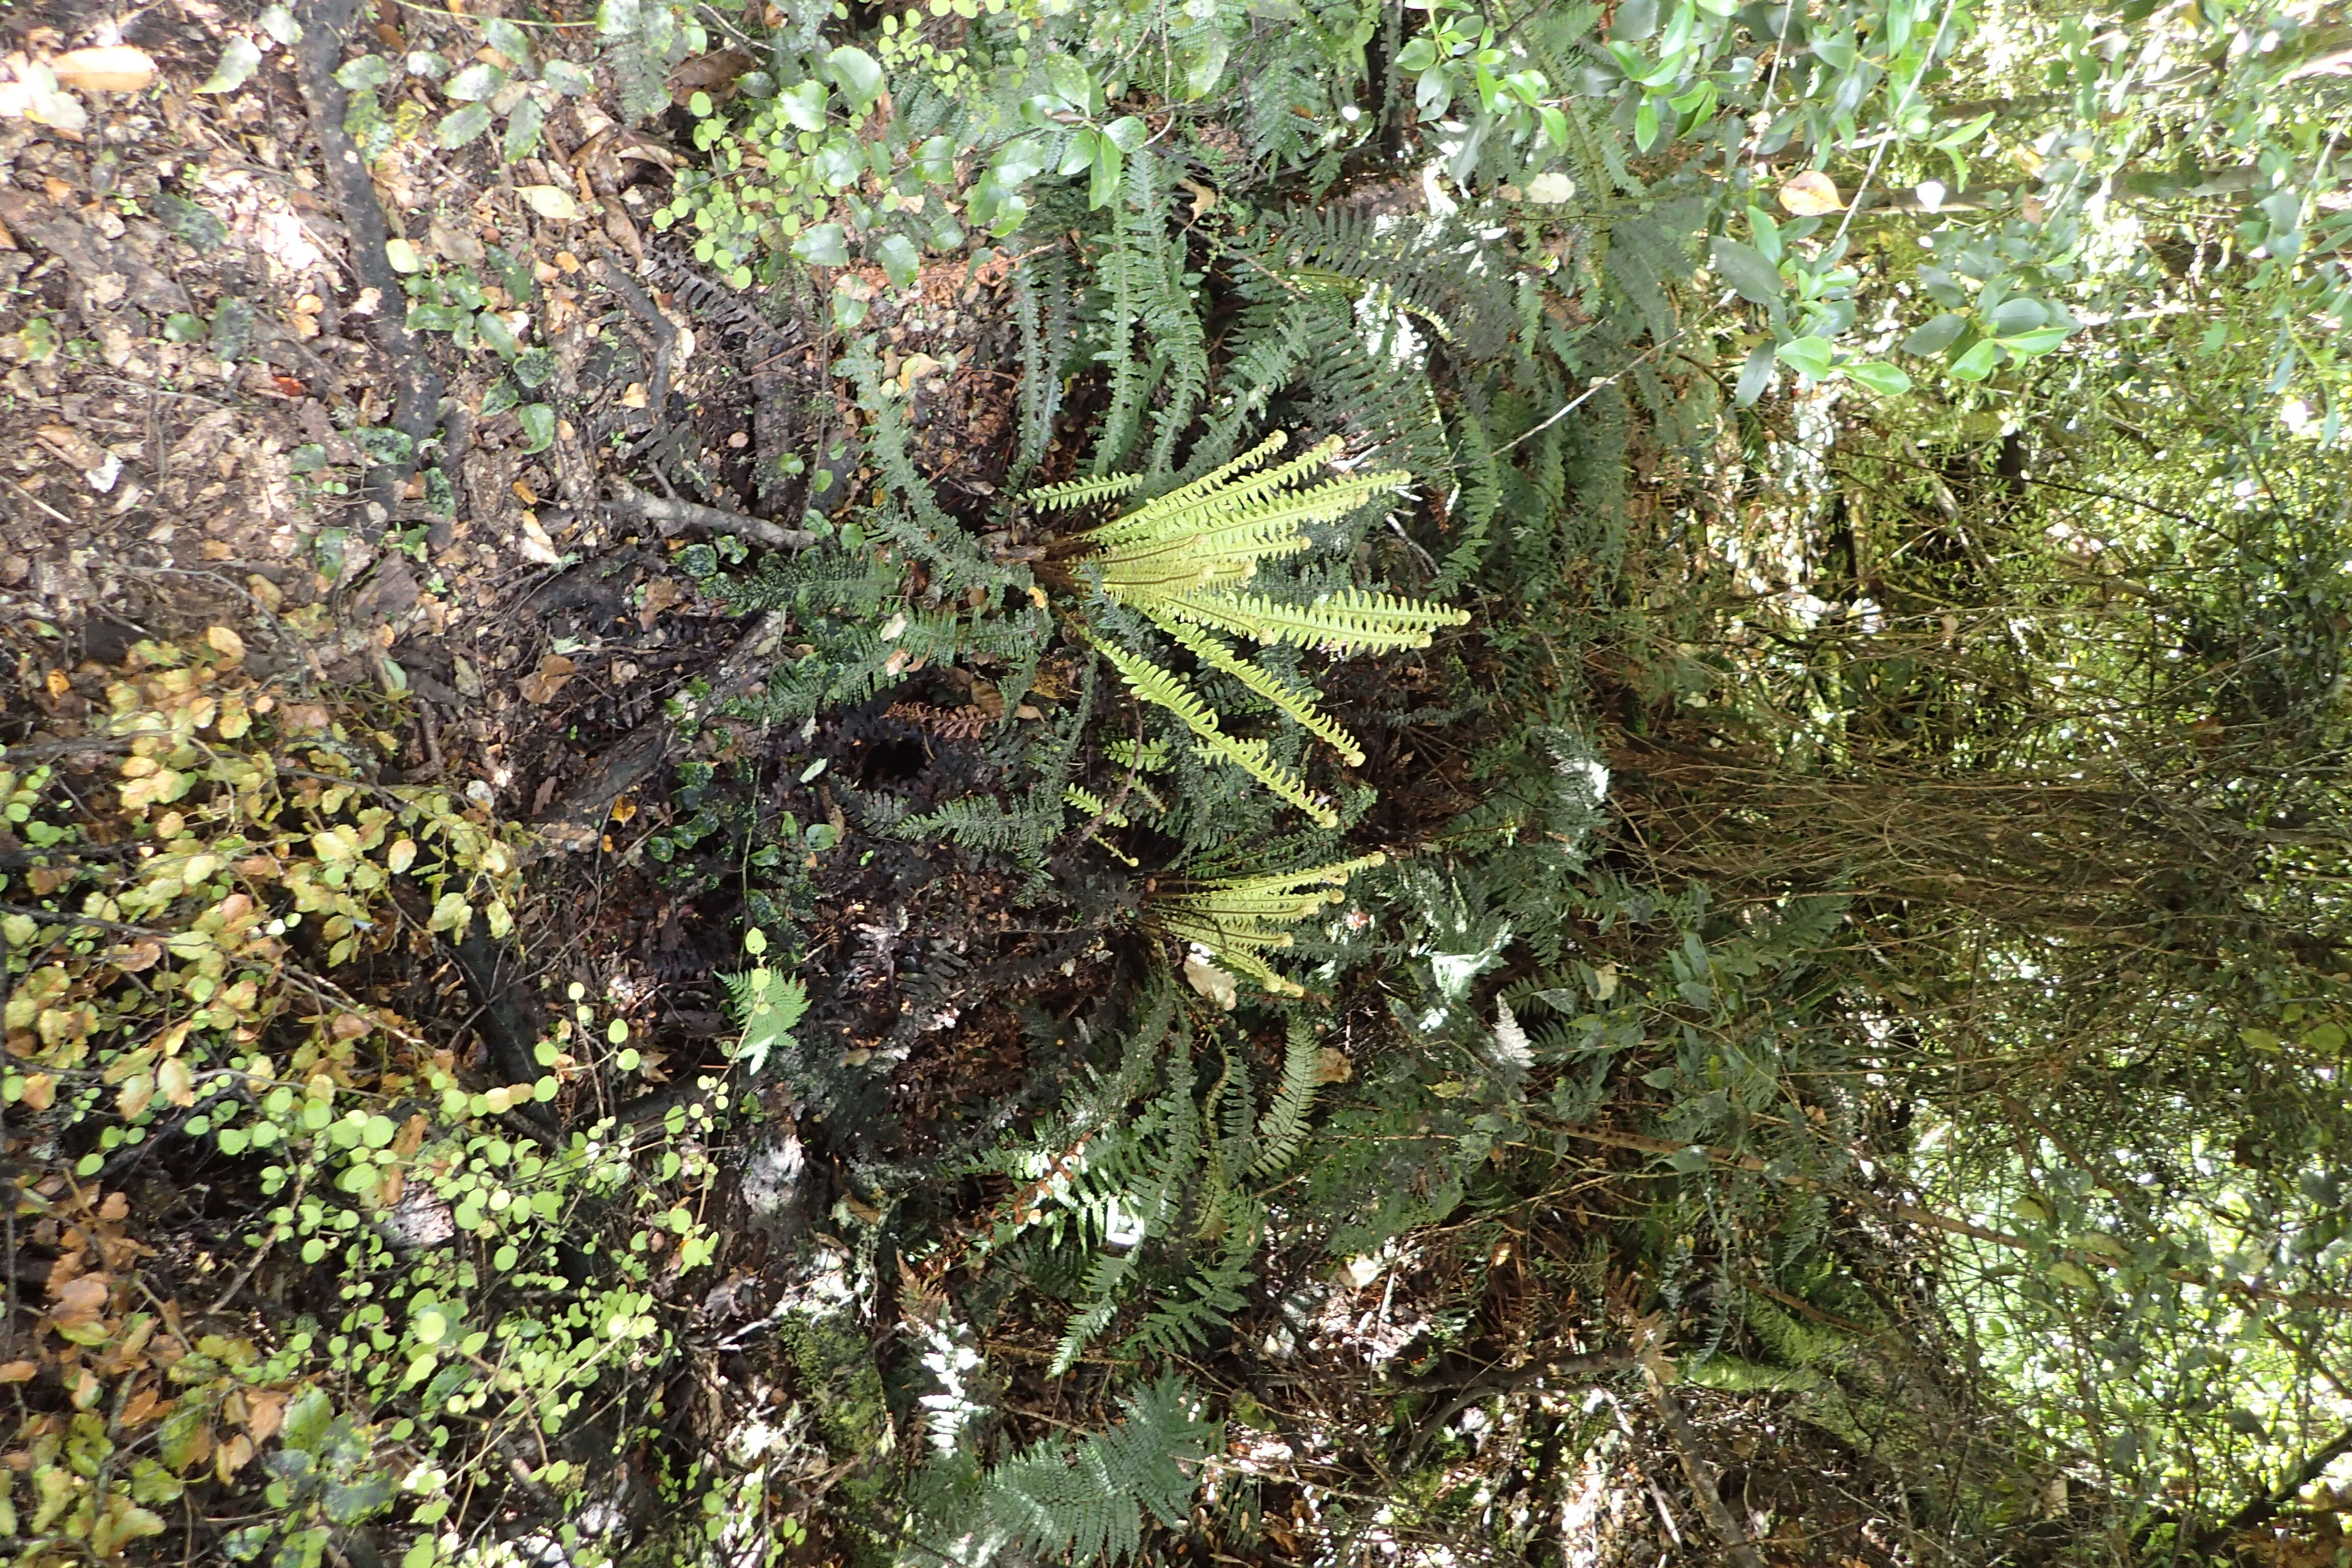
point(1204, 975)
point(135, 1096)
point(224, 642)
point(1812, 193)
point(401, 856)
point(452, 914)
point(177, 1084)
point(550, 202)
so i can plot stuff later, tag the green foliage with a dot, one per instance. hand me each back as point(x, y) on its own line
point(1179, 558)
point(1090, 1498)
point(1237, 918)
point(217, 999)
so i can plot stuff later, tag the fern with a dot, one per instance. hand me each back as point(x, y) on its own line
point(769, 1004)
point(1299, 705)
point(1178, 558)
point(1187, 1317)
point(1240, 919)
point(1087, 1502)
point(1044, 342)
point(1081, 493)
point(1351, 619)
point(1163, 690)
point(1282, 1130)
point(1432, 266)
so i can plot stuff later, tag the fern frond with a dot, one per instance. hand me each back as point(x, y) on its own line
point(1109, 1272)
point(1350, 619)
point(1085, 1503)
point(1079, 492)
point(1166, 690)
point(1239, 918)
point(1300, 705)
point(1185, 495)
point(1282, 1128)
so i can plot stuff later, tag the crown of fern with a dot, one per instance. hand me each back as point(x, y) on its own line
point(1240, 919)
point(1181, 558)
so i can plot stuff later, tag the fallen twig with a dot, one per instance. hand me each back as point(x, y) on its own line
point(417, 388)
point(1655, 1373)
point(692, 517)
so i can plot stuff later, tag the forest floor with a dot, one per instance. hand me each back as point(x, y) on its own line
point(192, 351)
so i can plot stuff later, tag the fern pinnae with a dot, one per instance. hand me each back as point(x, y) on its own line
point(1186, 494)
point(1167, 689)
point(1351, 619)
point(1231, 500)
point(1282, 1127)
point(1074, 493)
point(1299, 705)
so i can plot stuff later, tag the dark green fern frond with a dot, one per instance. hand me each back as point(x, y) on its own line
point(1432, 266)
point(1085, 1503)
point(1283, 1128)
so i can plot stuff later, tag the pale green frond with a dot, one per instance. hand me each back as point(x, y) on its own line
point(1267, 528)
point(1185, 495)
point(1090, 803)
point(1218, 929)
point(1351, 619)
point(1242, 957)
point(1300, 705)
point(1079, 492)
point(1255, 502)
point(1167, 689)
point(1181, 511)
point(1335, 875)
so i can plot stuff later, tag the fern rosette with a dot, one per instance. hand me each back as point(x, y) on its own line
point(1180, 560)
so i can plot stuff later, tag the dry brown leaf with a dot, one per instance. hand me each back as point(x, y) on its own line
point(20, 1372)
point(135, 1096)
point(72, 446)
point(1332, 1066)
point(79, 1300)
point(112, 68)
point(540, 687)
point(176, 1083)
point(116, 1206)
point(552, 201)
point(1811, 194)
point(263, 1411)
point(412, 1136)
point(233, 1457)
point(714, 73)
point(40, 1089)
point(224, 642)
